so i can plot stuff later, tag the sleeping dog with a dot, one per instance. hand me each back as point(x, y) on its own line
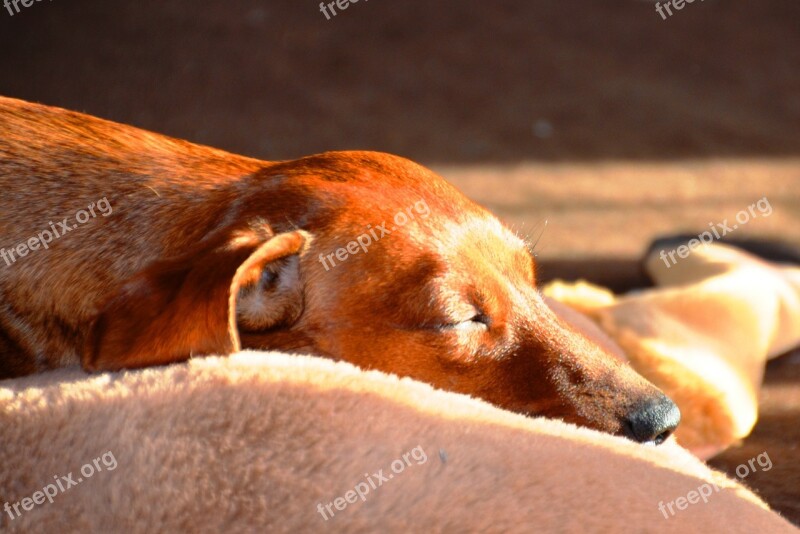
point(123, 248)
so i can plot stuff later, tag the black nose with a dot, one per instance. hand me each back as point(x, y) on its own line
point(652, 421)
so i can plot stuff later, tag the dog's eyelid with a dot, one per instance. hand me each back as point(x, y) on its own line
point(477, 323)
point(478, 320)
point(482, 318)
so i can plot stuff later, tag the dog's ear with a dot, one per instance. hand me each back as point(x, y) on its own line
point(188, 306)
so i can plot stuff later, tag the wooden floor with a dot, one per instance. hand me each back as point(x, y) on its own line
point(778, 434)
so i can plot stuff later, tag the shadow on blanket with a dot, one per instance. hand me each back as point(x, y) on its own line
point(263, 440)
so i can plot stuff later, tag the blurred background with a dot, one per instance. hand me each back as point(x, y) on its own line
point(601, 118)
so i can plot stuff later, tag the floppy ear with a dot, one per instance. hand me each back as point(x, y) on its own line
point(184, 307)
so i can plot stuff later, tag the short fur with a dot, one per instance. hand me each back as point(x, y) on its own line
point(194, 232)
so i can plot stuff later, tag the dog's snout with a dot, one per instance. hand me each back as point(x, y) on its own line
point(653, 421)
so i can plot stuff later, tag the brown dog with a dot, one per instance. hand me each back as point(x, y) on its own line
point(123, 248)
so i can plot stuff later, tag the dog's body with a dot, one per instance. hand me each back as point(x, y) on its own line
point(54, 163)
point(203, 252)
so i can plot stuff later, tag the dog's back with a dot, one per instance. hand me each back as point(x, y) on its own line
point(108, 199)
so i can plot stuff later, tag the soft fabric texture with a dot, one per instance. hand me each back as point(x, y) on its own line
point(703, 335)
point(257, 441)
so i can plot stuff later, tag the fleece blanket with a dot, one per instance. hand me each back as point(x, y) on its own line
point(703, 334)
point(273, 442)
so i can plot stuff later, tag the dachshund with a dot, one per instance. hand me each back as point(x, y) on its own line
point(121, 248)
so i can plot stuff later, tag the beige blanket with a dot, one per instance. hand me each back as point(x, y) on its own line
point(703, 335)
point(269, 442)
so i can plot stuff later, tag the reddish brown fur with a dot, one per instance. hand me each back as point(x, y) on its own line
point(158, 280)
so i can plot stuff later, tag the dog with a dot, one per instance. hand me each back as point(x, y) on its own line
point(122, 248)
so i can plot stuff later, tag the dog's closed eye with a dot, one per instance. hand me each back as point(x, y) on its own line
point(464, 318)
point(478, 322)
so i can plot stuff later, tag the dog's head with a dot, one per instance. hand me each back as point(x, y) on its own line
point(374, 260)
